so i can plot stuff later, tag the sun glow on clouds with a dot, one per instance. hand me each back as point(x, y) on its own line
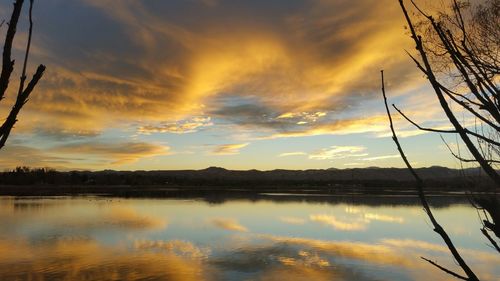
point(118, 153)
point(286, 154)
point(228, 149)
point(78, 155)
point(338, 152)
point(180, 127)
point(304, 117)
point(335, 152)
point(307, 68)
point(375, 158)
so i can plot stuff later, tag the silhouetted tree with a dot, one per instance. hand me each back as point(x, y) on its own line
point(459, 57)
point(421, 194)
point(458, 53)
point(24, 91)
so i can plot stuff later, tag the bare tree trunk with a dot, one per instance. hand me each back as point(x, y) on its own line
point(23, 92)
point(428, 70)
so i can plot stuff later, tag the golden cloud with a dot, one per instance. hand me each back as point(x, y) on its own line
point(78, 155)
point(180, 127)
point(338, 152)
point(309, 68)
point(20, 155)
point(374, 124)
point(228, 149)
point(113, 153)
point(297, 153)
point(301, 61)
point(382, 157)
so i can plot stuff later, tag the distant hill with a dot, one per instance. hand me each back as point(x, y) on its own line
point(216, 176)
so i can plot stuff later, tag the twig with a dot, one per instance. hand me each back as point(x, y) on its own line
point(420, 188)
point(26, 54)
point(464, 159)
point(444, 104)
point(492, 241)
point(445, 269)
point(423, 128)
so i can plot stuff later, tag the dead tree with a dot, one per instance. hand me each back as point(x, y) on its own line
point(24, 91)
point(477, 92)
point(459, 54)
point(470, 275)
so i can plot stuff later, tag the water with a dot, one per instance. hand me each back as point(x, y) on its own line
point(93, 238)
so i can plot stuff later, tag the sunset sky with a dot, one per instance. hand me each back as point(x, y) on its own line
point(189, 84)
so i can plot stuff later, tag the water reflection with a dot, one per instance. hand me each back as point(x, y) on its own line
point(86, 238)
point(115, 217)
point(339, 224)
point(228, 224)
point(89, 260)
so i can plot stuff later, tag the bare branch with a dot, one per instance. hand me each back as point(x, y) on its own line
point(420, 188)
point(451, 95)
point(7, 62)
point(7, 68)
point(456, 275)
point(464, 159)
point(444, 105)
point(446, 131)
point(26, 54)
point(423, 128)
point(492, 241)
point(468, 108)
point(20, 102)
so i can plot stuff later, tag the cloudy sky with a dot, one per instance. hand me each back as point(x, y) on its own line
point(187, 84)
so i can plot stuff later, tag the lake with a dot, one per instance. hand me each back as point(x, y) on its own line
point(272, 237)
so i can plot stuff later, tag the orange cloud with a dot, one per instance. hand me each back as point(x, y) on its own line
point(115, 154)
point(308, 68)
point(338, 152)
point(78, 155)
point(228, 149)
point(180, 127)
point(300, 62)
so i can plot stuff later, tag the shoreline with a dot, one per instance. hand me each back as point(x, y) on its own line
point(219, 195)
